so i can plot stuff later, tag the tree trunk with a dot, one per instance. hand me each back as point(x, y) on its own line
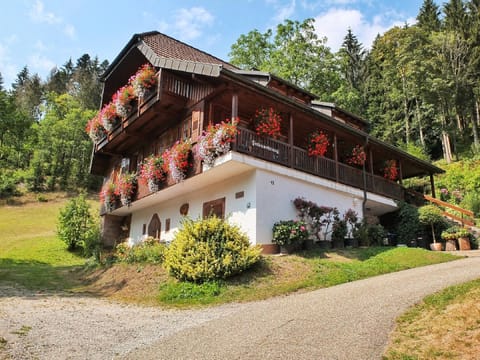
point(433, 233)
point(475, 120)
point(419, 123)
point(405, 109)
point(447, 149)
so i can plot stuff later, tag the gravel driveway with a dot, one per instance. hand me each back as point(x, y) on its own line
point(350, 321)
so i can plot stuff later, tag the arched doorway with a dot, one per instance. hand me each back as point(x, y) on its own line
point(154, 227)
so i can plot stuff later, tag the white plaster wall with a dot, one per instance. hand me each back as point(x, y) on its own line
point(275, 193)
point(239, 211)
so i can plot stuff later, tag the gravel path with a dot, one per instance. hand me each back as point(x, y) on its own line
point(350, 321)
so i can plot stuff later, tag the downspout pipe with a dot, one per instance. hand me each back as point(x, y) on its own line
point(364, 173)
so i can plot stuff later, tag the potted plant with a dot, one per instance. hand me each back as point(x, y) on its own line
point(126, 187)
point(108, 195)
point(123, 99)
point(351, 218)
point(177, 161)
point(153, 172)
point(289, 234)
point(143, 80)
point(317, 143)
point(431, 215)
point(267, 122)
point(463, 236)
point(358, 156)
point(216, 141)
point(390, 171)
point(109, 116)
point(339, 232)
point(95, 129)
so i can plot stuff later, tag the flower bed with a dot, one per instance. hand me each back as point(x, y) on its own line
point(109, 195)
point(126, 187)
point(95, 129)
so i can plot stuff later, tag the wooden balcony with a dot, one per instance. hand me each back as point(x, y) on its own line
point(248, 142)
point(155, 112)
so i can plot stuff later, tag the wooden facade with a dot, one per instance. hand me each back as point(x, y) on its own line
point(188, 97)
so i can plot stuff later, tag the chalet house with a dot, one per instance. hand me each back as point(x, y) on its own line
point(253, 184)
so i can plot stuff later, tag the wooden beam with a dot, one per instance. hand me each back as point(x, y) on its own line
point(335, 154)
point(400, 172)
point(234, 106)
point(290, 140)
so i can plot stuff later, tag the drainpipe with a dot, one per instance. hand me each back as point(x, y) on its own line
point(364, 173)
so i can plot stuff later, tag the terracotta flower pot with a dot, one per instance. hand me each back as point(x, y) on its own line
point(436, 246)
point(464, 243)
point(450, 245)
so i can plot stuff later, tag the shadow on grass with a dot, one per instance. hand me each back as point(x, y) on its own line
point(26, 278)
point(261, 269)
point(361, 253)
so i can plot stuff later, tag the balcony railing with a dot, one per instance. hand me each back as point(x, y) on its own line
point(248, 142)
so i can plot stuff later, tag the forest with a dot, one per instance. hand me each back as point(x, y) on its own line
point(418, 86)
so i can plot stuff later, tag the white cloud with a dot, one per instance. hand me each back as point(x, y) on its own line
point(40, 62)
point(335, 22)
point(189, 23)
point(69, 30)
point(38, 14)
point(7, 67)
point(40, 46)
point(283, 12)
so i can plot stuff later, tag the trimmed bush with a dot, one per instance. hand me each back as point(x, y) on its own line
point(209, 249)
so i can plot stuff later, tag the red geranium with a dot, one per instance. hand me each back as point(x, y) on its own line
point(390, 171)
point(317, 143)
point(358, 156)
point(267, 122)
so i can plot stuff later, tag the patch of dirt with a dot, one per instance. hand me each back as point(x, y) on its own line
point(136, 283)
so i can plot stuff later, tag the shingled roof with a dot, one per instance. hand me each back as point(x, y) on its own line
point(164, 51)
point(168, 47)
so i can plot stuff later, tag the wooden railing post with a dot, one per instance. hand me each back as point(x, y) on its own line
point(290, 141)
point(335, 154)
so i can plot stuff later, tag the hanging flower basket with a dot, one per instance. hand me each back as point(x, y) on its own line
point(109, 117)
point(176, 159)
point(126, 187)
point(108, 195)
point(153, 172)
point(95, 129)
point(267, 122)
point(358, 156)
point(390, 171)
point(123, 99)
point(317, 143)
point(216, 141)
point(143, 80)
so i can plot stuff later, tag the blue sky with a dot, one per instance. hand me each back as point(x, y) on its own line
point(46, 33)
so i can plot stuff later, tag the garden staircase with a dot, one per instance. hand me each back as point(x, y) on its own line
point(465, 218)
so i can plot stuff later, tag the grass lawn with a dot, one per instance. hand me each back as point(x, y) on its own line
point(446, 325)
point(278, 275)
point(31, 256)
point(30, 253)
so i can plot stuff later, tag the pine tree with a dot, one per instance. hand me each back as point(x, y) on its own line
point(428, 17)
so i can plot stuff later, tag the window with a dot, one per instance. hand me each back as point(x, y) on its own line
point(154, 227)
point(214, 207)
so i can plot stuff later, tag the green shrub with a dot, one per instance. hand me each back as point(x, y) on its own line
point(369, 234)
point(209, 249)
point(430, 215)
point(288, 232)
point(407, 223)
point(149, 251)
point(76, 226)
